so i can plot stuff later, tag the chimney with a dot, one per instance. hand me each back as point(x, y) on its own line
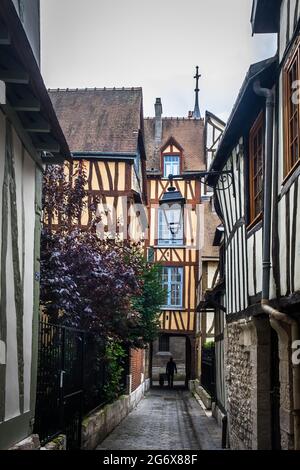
point(158, 122)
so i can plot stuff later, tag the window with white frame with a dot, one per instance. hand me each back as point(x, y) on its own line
point(171, 165)
point(172, 281)
point(170, 226)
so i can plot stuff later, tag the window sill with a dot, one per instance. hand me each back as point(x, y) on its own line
point(290, 178)
point(169, 246)
point(255, 222)
point(173, 309)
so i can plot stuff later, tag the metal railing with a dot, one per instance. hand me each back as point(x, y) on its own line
point(72, 374)
point(208, 375)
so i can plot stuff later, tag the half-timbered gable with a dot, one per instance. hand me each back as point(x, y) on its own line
point(179, 150)
point(175, 149)
point(104, 129)
point(29, 137)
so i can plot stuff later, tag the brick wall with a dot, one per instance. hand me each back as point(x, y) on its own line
point(136, 367)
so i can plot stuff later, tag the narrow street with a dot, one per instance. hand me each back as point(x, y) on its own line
point(165, 420)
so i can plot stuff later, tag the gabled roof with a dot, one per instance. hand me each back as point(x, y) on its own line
point(245, 107)
point(188, 133)
point(100, 119)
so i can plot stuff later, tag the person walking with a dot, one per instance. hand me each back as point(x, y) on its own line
point(170, 369)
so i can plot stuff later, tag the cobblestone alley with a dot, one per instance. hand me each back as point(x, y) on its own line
point(165, 420)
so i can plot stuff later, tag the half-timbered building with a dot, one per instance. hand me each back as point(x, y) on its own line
point(257, 199)
point(30, 136)
point(104, 130)
point(182, 223)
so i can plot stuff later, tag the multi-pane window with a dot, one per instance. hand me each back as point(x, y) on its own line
point(171, 165)
point(256, 156)
point(164, 343)
point(172, 281)
point(170, 226)
point(292, 111)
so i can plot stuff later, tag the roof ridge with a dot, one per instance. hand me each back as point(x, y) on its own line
point(94, 89)
point(176, 118)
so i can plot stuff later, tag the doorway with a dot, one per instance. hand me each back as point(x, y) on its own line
point(166, 346)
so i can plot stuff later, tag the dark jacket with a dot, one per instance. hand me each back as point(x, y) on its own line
point(171, 367)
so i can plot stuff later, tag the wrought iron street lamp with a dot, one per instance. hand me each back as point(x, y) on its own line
point(173, 200)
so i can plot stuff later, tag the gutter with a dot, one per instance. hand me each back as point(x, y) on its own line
point(275, 316)
point(105, 155)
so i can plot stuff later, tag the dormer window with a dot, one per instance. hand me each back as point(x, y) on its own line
point(171, 159)
point(171, 165)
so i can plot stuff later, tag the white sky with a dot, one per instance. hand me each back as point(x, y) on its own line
point(155, 44)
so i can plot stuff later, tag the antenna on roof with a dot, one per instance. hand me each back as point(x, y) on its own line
point(197, 114)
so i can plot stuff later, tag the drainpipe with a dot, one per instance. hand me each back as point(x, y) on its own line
point(266, 264)
point(274, 314)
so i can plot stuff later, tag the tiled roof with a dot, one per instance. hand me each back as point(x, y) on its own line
point(189, 133)
point(211, 221)
point(99, 119)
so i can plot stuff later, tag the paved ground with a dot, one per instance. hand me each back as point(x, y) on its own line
point(165, 420)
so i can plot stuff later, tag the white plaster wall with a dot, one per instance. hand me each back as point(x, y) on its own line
point(282, 246)
point(284, 24)
point(12, 386)
point(29, 205)
point(297, 251)
point(25, 186)
point(258, 251)
point(250, 242)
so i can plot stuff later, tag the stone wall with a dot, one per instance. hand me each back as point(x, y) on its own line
point(58, 443)
point(286, 384)
point(239, 382)
point(101, 423)
point(248, 374)
point(31, 442)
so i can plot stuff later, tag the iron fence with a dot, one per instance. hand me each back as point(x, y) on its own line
point(72, 374)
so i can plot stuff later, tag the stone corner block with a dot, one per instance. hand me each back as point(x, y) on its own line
point(30, 443)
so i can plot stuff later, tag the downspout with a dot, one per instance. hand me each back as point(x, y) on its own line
point(275, 315)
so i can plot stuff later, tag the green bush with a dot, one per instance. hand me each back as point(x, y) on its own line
point(114, 354)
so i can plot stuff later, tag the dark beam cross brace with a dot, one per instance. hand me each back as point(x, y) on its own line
point(34, 123)
point(45, 143)
point(22, 99)
point(11, 71)
point(4, 35)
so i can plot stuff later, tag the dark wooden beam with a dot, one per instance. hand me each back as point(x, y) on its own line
point(53, 159)
point(5, 39)
point(11, 71)
point(22, 99)
point(45, 143)
point(35, 123)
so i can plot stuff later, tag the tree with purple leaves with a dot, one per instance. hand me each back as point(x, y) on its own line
point(101, 285)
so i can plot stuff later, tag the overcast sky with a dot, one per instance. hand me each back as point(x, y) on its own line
point(155, 44)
